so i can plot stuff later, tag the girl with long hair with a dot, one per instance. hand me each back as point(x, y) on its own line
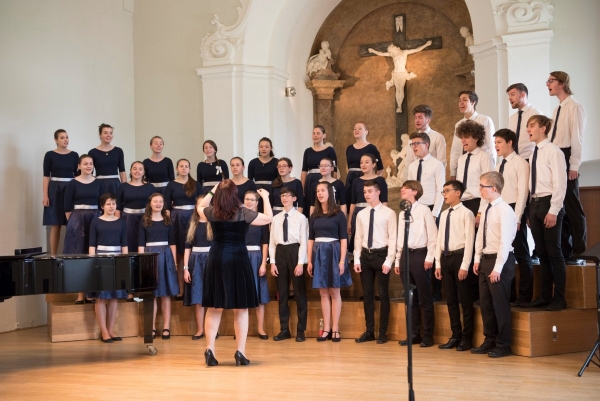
point(158, 168)
point(339, 190)
point(212, 170)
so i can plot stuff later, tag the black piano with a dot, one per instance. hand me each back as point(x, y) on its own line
point(29, 272)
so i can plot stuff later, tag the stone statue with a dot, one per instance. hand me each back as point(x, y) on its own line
point(403, 167)
point(466, 33)
point(399, 75)
point(319, 61)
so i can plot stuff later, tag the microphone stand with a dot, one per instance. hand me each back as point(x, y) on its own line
point(408, 294)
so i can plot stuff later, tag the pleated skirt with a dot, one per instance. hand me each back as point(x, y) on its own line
point(326, 268)
point(167, 283)
point(77, 235)
point(192, 293)
point(54, 213)
point(181, 222)
point(132, 225)
point(262, 288)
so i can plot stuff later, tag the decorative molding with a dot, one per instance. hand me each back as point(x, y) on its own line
point(231, 71)
point(219, 47)
point(526, 15)
point(323, 89)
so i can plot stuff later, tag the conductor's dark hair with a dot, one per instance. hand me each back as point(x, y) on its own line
point(457, 185)
point(265, 139)
point(473, 98)
point(507, 135)
point(372, 183)
point(58, 132)
point(225, 200)
point(520, 87)
point(288, 190)
point(471, 129)
point(106, 197)
point(102, 126)
point(423, 108)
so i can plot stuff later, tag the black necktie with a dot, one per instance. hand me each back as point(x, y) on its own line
point(371, 221)
point(555, 124)
point(534, 171)
point(487, 211)
point(420, 170)
point(466, 170)
point(447, 233)
point(516, 144)
point(502, 166)
point(285, 228)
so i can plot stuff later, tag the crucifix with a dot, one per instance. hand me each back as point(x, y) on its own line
point(399, 50)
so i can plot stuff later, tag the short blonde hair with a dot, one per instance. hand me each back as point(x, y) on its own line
point(495, 179)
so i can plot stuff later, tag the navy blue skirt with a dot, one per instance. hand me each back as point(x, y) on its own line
point(167, 284)
point(132, 225)
point(77, 236)
point(54, 214)
point(118, 294)
point(262, 288)
point(326, 268)
point(110, 185)
point(180, 219)
point(192, 292)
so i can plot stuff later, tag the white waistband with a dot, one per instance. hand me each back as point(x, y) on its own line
point(325, 239)
point(133, 211)
point(160, 243)
point(253, 247)
point(210, 183)
point(108, 248)
point(362, 204)
point(89, 207)
point(159, 184)
point(201, 249)
point(277, 208)
point(314, 171)
point(185, 207)
point(263, 182)
point(60, 179)
point(354, 169)
point(106, 177)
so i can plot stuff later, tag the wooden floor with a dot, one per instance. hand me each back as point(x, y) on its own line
point(33, 368)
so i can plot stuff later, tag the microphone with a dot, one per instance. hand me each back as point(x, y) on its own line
point(405, 205)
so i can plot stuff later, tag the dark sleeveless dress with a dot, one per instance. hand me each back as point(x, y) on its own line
point(228, 278)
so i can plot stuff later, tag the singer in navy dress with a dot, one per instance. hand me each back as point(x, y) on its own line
point(181, 205)
point(242, 183)
point(263, 169)
point(109, 161)
point(311, 160)
point(212, 170)
point(158, 168)
point(284, 168)
point(339, 191)
point(131, 203)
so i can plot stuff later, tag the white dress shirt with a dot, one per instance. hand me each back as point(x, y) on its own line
point(516, 181)
point(488, 146)
point(499, 233)
point(422, 232)
point(480, 162)
point(384, 232)
point(437, 147)
point(525, 145)
point(569, 131)
point(297, 234)
point(551, 175)
point(433, 176)
point(462, 234)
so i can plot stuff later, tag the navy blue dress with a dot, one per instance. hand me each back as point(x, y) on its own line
point(60, 168)
point(339, 192)
point(182, 208)
point(310, 162)
point(358, 197)
point(82, 201)
point(326, 254)
point(353, 157)
point(131, 202)
point(276, 204)
point(261, 172)
point(210, 173)
point(159, 173)
point(192, 292)
point(108, 164)
point(243, 188)
point(258, 236)
point(158, 232)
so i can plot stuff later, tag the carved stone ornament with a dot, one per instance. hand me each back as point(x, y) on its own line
point(526, 15)
point(219, 47)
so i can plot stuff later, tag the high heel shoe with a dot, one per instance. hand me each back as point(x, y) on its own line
point(327, 337)
point(240, 359)
point(338, 338)
point(210, 358)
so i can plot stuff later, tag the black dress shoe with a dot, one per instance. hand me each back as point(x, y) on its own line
point(538, 303)
point(366, 336)
point(283, 335)
point(415, 340)
point(336, 336)
point(427, 342)
point(240, 359)
point(210, 358)
point(484, 348)
point(517, 303)
point(500, 352)
point(167, 336)
point(382, 339)
point(557, 304)
point(464, 346)
point(116, 338)
point(300, 336)
point(452, 343)
point(263, 336)
point(110, 340)
point(198, 337)
point(327, 337)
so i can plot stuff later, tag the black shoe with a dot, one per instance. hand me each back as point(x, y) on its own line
point(362, 298)
point(198, 337)
point(538, 303)
point(484, 348)
point(500, 352)
point(464, 346)
point(366, 336)
point(116, 338)
point(283, 335)
point(240, 359)
point(337, 338)
point(516, 304)
point(382, 339)
point(557, 304)
point(263, 336)
point(300, 336)
point(452, 343)
point(415, 340)
point(327, 337)
point(166, 337)
point(153, 334)
point(427, 342)
point(110, 340)
point(210, 358)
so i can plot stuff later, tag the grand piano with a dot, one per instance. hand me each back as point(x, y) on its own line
point(30, 272)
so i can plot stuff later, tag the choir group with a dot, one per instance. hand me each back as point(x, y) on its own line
point(501, 182)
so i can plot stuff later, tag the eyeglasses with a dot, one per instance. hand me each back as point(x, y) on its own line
point(485, 186)
point(250, 200)
point(325, 165)
point(282, 166)
point(415, 144)
point(284, 195)
point(445, 191)
point(551, 80)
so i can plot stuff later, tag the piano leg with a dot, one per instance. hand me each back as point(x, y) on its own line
point(148, 302)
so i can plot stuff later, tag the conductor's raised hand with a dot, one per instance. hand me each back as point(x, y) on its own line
point(263, 193)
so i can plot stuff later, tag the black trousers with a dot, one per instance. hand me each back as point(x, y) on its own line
point(422, 299)
point(574, 230)
point(473, 206)
point(495, 303)
point(524, 260)
point(287, 260)
point(437, 284)
point(370, 264)
point(458, 291)
point(547, 245)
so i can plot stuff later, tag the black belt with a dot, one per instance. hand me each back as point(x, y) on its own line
point(460, 251)
point(542, 198)
point(374, 250)
point(492, 255)
point(417, 249)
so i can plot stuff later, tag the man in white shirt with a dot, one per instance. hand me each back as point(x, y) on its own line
point(567, 133)
point(374, 253)
point(467, 101)
point(437, 142)
point(515, 171)
point(428, 171)
point(288, 255)
point(495, 266)
point(547, 186)
point(422, 237)
point(517, 122)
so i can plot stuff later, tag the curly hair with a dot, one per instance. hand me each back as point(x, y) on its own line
point(471, 129)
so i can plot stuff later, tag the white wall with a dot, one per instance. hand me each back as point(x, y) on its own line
point(64, 64)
